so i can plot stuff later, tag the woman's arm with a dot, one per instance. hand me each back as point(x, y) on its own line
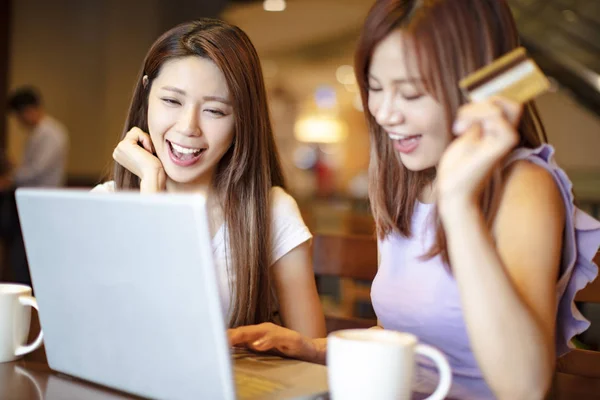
point(299, 303)
point(507, 280)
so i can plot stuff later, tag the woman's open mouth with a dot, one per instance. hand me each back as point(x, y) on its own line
point(184, 156)
point(405, 144)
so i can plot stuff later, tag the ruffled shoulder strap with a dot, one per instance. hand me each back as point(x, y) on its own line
point(580, 244)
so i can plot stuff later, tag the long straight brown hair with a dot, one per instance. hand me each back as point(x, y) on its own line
point(246, 173)
point(450, 39)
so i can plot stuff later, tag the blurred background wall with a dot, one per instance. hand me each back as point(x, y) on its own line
point(84, 56)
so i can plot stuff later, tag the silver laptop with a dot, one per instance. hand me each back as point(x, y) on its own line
point(128, 299)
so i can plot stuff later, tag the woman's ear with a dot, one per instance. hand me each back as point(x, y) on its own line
point(145, 81)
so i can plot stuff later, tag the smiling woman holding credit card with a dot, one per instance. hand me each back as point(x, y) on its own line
point(481, 247)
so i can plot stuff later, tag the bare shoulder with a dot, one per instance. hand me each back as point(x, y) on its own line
point(526, 183)
point(530, 201)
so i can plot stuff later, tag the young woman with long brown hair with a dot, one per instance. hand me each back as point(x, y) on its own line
point(481, 247)
point(199, 122)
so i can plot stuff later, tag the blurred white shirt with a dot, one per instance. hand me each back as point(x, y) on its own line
point(45, 156)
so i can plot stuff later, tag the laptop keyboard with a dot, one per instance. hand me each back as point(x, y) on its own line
point(251, 386)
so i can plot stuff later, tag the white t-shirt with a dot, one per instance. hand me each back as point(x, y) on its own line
point(287, 227)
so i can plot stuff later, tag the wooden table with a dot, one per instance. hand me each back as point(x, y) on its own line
point(26, 380)
point(32, 378)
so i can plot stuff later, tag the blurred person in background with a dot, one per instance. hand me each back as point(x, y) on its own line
point(46, 150)
point(43, 165)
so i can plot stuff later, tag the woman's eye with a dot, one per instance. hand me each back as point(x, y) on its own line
point(215, 112)
point(172, 102)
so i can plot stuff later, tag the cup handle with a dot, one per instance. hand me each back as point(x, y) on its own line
point(444, 368)
point(22, 350)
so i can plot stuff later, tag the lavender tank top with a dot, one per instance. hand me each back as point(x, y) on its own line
point(421, 297)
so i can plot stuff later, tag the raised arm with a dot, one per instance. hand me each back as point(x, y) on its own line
point(506, 278)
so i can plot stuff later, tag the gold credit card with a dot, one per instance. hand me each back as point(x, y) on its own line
point(514, 76)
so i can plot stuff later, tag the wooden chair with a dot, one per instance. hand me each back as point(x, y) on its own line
point(350, 258)
point(578, 372)
point(591, 293)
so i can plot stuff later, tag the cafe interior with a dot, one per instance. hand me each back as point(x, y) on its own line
point(84, 57)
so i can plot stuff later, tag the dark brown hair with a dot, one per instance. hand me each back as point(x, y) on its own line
point(246, 173)
point(450, 39)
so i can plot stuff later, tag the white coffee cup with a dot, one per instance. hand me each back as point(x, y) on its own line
point(15, 317)
point(379, 364)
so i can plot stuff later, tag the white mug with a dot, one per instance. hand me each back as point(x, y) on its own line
point(379, 364)
point(15, 318)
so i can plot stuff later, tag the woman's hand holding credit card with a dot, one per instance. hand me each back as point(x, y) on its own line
point(486, 127)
